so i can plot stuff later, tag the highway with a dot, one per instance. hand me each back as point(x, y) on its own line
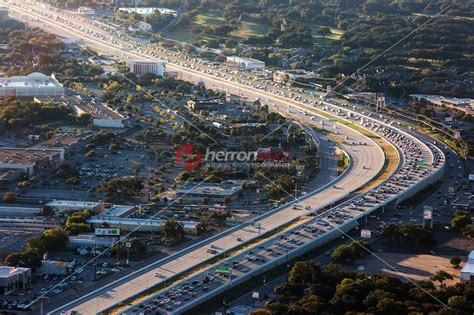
point(367, 161)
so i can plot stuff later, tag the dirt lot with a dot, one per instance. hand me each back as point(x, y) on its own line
point(414, 267)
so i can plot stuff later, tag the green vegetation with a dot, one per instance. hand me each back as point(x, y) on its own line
point(408, 235)
point(120, 189)
point(353, 251)
point(172, 231)
point(9, 197)
point(312, 289)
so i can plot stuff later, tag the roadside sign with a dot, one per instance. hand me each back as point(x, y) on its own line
point(107, 232)
point(422, 164)
point(364, 233)
point(451, 190)
point(255, 295)
point(427, 213)
point(128, 244)
point(222, 269)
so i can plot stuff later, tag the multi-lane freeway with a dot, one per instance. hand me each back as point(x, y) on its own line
point(367, 159)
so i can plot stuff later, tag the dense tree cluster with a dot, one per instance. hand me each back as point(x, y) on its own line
point(120, 189)
point(409, 234)
point(330, 290)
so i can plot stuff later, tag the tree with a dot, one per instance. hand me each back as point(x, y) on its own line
point(55, 239)
point(460, 220)
point(304, 273)
point(441, 276)
point(120, 189)
point(138, 248)
point(343, 253)
point(455, 261)
point(9, 197)
point(172, 230)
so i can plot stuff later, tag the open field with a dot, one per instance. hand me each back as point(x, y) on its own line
point(412, 266)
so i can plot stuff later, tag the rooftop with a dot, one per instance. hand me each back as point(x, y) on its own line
point(73, 204)
point(34, 79)
point(134, 221)
point(147, 11)
point(25, 156)
point(243, 59)
point(225, 189)
point(7, 271)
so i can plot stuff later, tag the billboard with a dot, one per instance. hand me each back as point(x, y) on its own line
point(471, 177)
point(364, 233)
point(107, 232)
point(427, 212)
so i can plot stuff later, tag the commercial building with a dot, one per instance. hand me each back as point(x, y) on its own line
point(30, 160)
point(146, 225)
point(465, 105)
point(197, 104)
point(467, 271)
point(214, 192)
point(246, 63)
point(148, 11)
point(28, 224)
point(102, 115)
point(34, 84)
point(73, 205)
point(55, 268)
point(86, 11)
point(140, 68)
point(140, 27)
point(290, 76)
point(19, 211)
point(120, 211)
point(87, 240)
point(13, 279)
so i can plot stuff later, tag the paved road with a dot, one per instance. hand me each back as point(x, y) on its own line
point(367, 161)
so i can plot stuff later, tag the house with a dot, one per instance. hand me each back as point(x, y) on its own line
point(467, 271)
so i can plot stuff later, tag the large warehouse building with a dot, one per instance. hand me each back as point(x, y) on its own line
point(246, 63)
point(34, 84)
point(30, 161)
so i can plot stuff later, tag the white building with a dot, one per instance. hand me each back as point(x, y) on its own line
point(293, 75)
point(140, 68)
point(86, 11)
point(148, 11)
point(102, 115)
point(246, 63)
point(73, 205)
point(30, 160)
point(215, 192)
point(140, 27)
point(34, 84)
point(146, 225)
point(13, 279)
point(467, 271)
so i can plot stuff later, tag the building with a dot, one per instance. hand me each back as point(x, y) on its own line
point(146, 225)
point(86, 11)
point(287, 77)
point(88, 240)
point(197, 104)
point(148, 11)
point(28, 224)
point(143, 67)
point(19, 211)
point(120, 211)
point(465, 105)
point(66, 141)
point(214, 192)
point(73, 205)
point(55, 268)
point(246, 63)
point(102, 115)
point(467, 271)
point(30, 160)
point(3, 13)
point(34, 84)
point(140, 27)
point(13, 279)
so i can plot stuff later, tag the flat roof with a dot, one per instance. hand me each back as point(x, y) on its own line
point(223, 189)
point(244, 59)
point(35, 79)
point(99, 111)
point(117, 210)
point(64, 140)
point(26, 155)
point(73, 203)
point(7, 271)
point(134, 221)
point(150, 10)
